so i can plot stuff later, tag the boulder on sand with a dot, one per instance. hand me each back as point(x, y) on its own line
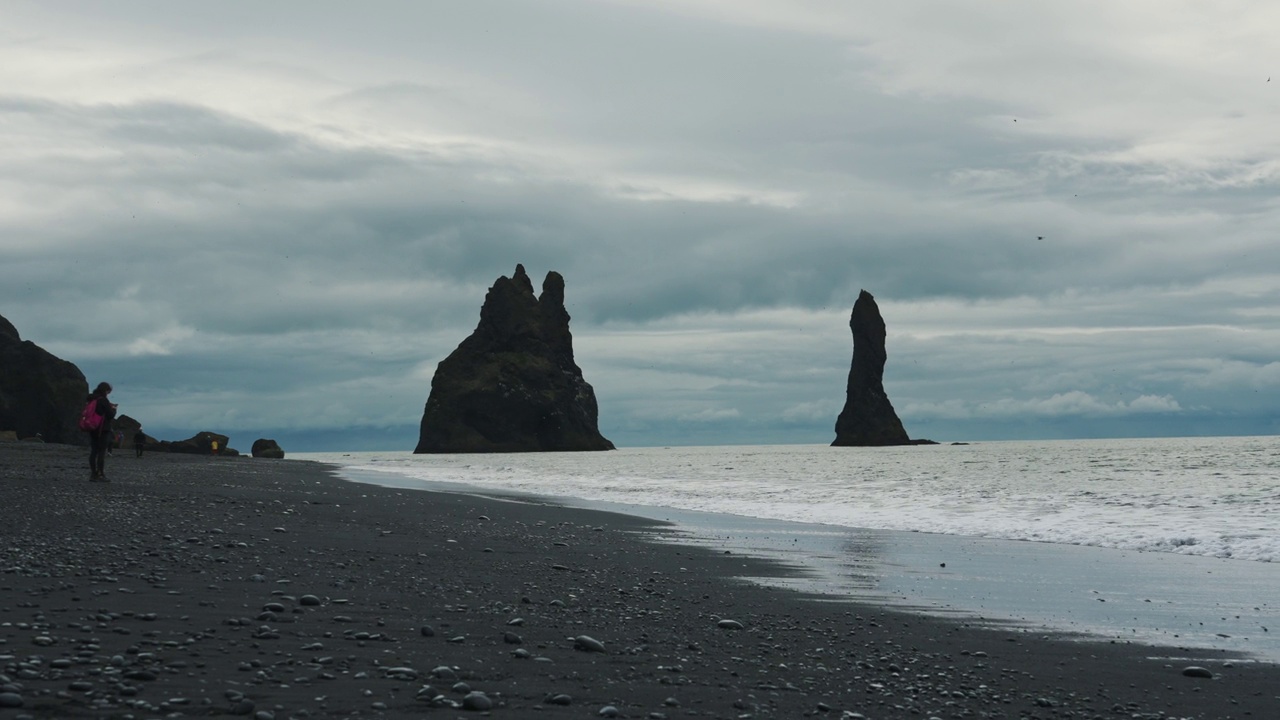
point(264, 448)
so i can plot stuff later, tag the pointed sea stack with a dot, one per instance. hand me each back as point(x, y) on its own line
point(512, 386)
point(40, 394)
point(868, 418)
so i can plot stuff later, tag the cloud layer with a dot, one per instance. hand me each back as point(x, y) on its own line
point(276, 219)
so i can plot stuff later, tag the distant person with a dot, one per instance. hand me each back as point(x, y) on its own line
point(214, 446)
point(139, 442)
point(100, 435)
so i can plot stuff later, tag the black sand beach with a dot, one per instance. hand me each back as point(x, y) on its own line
point(196, 586)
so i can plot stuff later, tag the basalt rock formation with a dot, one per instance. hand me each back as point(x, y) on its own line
point(266, 448)
point(128, 427)
point(512, 385)
point(199, 444)
point(40, 394)
point(868, 418)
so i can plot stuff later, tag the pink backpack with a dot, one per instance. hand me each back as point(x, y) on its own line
point(90, 420)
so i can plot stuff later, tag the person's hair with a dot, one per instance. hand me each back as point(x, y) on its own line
point(102, 389)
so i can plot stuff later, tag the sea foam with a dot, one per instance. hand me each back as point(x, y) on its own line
point(1215, 497)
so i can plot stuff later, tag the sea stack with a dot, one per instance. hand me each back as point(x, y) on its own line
point(512, 385)
point(868, 418)
point(40, 394)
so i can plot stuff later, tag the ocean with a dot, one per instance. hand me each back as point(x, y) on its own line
point(1172, 540)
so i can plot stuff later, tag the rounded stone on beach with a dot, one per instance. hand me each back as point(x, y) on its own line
point(427, 631)
point(309, 600)
point(243, 706)
point(588, 644)
point(729, 625)
point(10, 700)
point(476, 700)
point(608, 711)
point(559, 699)
point(1197, 672)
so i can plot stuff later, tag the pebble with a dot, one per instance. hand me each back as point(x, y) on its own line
point(309, 600)
point(427, 631)
point(588, 644)
point(1197, 672)
point(243, 706)
point(559, 699)
point(729, 625)
point(511, 638)
point(10, 700)
point(476, 700)
point(608, 711)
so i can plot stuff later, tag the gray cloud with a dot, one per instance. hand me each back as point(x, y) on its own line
point(278, 218)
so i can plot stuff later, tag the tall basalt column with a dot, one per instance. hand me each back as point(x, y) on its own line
point(868, 418)
point(513, 385)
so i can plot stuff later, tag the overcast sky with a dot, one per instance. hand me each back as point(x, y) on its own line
point(274, 218)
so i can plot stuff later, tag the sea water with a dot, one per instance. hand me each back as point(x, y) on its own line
point(1171, 540)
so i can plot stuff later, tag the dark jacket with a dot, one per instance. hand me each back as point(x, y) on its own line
point(108, 413)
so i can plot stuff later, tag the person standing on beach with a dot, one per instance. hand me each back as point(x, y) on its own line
point(139, 442)
point(102, 435)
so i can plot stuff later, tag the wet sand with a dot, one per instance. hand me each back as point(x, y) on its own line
point(195, 586)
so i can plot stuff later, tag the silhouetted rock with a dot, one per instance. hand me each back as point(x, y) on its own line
point(264, 448)
point(868, 418)
point(199, 444)
point(39, 393)
point(129, 427)
point(512, 386)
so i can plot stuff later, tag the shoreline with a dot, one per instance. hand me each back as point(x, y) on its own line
point(1205, 608)
point(212, 586)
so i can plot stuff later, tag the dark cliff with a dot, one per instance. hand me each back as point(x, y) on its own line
point(868, 418)
point(39, 393)
point(512, 385)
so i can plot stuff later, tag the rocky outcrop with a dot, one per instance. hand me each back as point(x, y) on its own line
point(513, 386)
point(128, 427)
point(199, 444)
point(264, 448)
point(40, 394)
point(868, 418)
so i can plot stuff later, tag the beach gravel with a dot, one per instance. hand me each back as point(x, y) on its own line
point(195, 586)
